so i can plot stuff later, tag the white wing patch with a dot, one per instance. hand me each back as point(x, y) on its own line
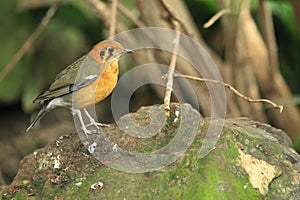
point(90, 77)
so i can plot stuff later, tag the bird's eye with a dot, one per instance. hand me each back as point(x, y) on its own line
point(102, 54)
point(110, 50)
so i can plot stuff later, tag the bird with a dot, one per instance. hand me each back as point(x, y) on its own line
point(85, 82)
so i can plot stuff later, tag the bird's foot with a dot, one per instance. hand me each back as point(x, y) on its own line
point(88, 132)
point(93, 122)
point(97, 124)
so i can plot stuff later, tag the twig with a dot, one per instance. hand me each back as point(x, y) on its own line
point(276, 106)
point(130, 16)
point(99, 6)
point(171, 70)
point(175, 15)
point(113, 19)
point(101, 10)
point(28, 43)
point(214, 18)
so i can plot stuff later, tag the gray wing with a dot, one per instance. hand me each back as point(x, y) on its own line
point(79, 74)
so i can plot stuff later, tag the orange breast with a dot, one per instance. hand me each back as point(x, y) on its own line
point(99, 89)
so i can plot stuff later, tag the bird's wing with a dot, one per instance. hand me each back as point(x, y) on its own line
point(79, 74)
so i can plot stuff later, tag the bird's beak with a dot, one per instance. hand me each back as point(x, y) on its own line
point(124, 51)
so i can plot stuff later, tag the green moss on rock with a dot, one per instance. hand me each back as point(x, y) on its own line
point(222, 174)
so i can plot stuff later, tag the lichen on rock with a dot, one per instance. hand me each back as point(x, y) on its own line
point(250, 160)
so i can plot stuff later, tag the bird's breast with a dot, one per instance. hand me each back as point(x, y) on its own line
point(99, 89)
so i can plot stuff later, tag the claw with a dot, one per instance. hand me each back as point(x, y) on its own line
point(97, 124)
point(87, 132)
point(93, 122)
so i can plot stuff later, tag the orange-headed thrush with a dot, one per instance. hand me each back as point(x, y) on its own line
point(87, 81)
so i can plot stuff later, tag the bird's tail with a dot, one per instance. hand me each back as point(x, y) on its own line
point(41, 114)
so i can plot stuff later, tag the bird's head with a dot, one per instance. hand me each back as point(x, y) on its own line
point(108, 51)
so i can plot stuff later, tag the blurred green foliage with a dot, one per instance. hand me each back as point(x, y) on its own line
point(14, 30)
point(288, 38)
point(70, 33)
point(75, 28)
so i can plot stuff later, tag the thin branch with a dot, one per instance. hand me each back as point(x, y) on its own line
point(276, 106)
point(28, 43)
point(175, 15)
point(171, 70)
point(101, 10)
point(113, 19)
point(214, 18)
point(130, 16)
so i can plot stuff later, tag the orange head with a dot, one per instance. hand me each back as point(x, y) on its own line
point(108, 51)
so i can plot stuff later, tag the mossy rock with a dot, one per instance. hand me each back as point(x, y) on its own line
point(250, 160)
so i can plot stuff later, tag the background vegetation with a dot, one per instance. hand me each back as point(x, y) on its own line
point(272, 73)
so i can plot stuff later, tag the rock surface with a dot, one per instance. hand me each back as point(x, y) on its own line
point(250, 160)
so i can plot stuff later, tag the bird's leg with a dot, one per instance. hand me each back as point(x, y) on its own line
point(92, 120)
point(83, 127)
